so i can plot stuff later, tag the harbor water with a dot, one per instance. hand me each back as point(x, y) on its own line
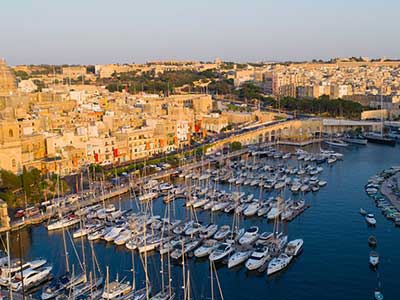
point(333, 265)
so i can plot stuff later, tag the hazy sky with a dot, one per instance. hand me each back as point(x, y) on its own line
point(107, 31)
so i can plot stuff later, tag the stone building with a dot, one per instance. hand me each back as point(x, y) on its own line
point(7, 79)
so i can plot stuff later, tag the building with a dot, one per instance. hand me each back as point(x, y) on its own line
point(7, 80)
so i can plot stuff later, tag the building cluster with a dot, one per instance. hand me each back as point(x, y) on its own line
point(361, 81)
point(61, 119)
point(66, 127)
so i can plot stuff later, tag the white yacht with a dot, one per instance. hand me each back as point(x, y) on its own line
point(294, 247)
point(98, 234)
point(219, 206)
point(148, 196)
point(374, 258)
point(205, 249)
point(195, 228)
point(222, 251)
point(279, 263)
point(123, 237)
point(274, 213)
point(222, 232)
point(200, 202)
point(263, 210)
point(30, 278)
point(258, 258)
point(7, 271)
point(250, 236)
point(238, 258)
point(208, 231)
point(113, 233)
point(64, 222)
point(370, 219)
point(251, 209)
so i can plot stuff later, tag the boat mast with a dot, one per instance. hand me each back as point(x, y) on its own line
point(9, 261)
point(20, 261)
point(133, 271)
point(169, 257)
point(62, 227)
point(108, 281)
point(212, 281)
point(183, 272)
point(381, 110)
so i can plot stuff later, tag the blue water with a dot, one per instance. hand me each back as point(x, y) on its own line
point(334, 264)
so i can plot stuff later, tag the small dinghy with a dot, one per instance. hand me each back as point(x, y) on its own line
point(372, 242)
point(363, 212)
point(378, 295)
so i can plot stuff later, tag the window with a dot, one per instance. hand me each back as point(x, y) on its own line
point(10, 133)
point(14, 163)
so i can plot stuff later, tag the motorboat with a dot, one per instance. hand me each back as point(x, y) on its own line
point(363, 212)
point(208, 231)
point(239, 209)
point(148, 196)
point(370, 219)
point(251, 209)
point(222, 232)
point(194, 229)
point(113, 233)
point(222, 251)
point(123, 237)
point(98, 234)
point(294, 247)
point(230, 207)
point(331, 160)
point(169, 246)
point(219, 206)
point(355, 139)
point(30, 278)
point(238, 258)
point(8, 271)
point(190, 245)
point(250, 236)
point(295, 188)
point(200, 202)
point(274, 213)
point(264, 238)
point(258, 258)
point(372, 242)
point(378, 295)
point(336, 143)
point(263, 210)
point(374, 259)
point(206, 248)
point(116, 290)
point(181, 228)
point(279, 263)
point(65, 222)
point(322, 183)
point(150, 243)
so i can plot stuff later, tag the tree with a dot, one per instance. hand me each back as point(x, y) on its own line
point(234, 146)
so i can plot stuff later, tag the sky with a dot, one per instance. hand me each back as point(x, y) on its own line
point(127, 31)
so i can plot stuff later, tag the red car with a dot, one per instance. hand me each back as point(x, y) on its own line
point(20, 213)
